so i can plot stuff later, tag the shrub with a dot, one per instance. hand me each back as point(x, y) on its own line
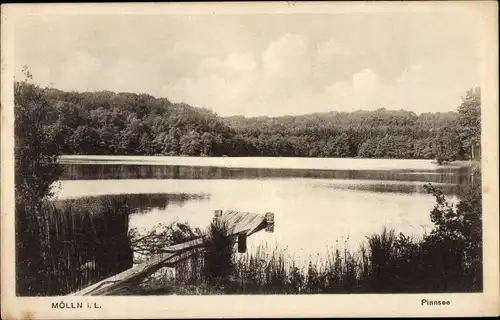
point(457, 237)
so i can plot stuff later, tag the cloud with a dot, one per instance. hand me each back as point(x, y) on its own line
point(287, 59)
point(366, 79)
point(230, 65)
point(412, 74)
point(329, 50)
point(364, 91)
point(218, 83)
point(242, 83)
point(417, 88)
point(367, 91)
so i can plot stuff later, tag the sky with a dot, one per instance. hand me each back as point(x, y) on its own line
point(260, 64)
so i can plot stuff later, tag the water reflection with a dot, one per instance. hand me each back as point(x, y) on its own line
point(387, 186)
point(143, 203)
point(455, 175)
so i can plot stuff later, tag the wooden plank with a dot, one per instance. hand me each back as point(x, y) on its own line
point(174, 260)
point(235, 221)
point(245, 223)
point(196, 243)
point(243, 220)
point(256, 226)
point(249, 222)
point(240, 220)
point(229, 220)
point(256, 219)
point(138, 272)
point(230, 217)
point(226, 216)
point(129, 277)
point(238, 224)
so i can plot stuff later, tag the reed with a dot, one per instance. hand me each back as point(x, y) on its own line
point(84, 241)
point(213, 264)
point(385, 263)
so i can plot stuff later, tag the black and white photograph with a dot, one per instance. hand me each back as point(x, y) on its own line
point(244, 151)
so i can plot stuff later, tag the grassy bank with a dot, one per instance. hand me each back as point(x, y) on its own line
point(386, 263)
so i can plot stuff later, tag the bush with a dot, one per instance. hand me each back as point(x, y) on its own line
point(457, 237)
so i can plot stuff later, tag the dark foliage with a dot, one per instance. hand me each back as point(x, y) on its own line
point(58, 248)
point(35, 170)
point(458, 237)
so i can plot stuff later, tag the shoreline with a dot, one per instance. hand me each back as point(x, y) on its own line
point(298, 163)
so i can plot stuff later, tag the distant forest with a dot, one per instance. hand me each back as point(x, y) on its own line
point(108, 123)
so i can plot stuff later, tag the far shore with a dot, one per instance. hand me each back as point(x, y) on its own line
point(268, 162)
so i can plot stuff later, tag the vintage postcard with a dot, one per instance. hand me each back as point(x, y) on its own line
point(281, 159)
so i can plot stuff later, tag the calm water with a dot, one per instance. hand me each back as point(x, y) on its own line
point(318, 203)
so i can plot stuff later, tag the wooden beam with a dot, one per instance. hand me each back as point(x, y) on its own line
point(242, 243)
point(269, 221)
point(196, 243)
point(242, 224)
point(217, 214)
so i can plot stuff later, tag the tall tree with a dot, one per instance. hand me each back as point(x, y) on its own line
point(36, 150)
point(469, 120)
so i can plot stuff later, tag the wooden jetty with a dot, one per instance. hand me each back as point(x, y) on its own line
point(241, 224)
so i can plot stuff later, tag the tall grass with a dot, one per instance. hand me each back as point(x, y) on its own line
point(385, 263)
point(270, 270)
point(85, 241)
point(213, 264)
point(219, 253)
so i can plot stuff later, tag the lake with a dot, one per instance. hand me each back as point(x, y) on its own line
point(319, 204)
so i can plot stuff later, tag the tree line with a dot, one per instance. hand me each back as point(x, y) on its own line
point(109, 123)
